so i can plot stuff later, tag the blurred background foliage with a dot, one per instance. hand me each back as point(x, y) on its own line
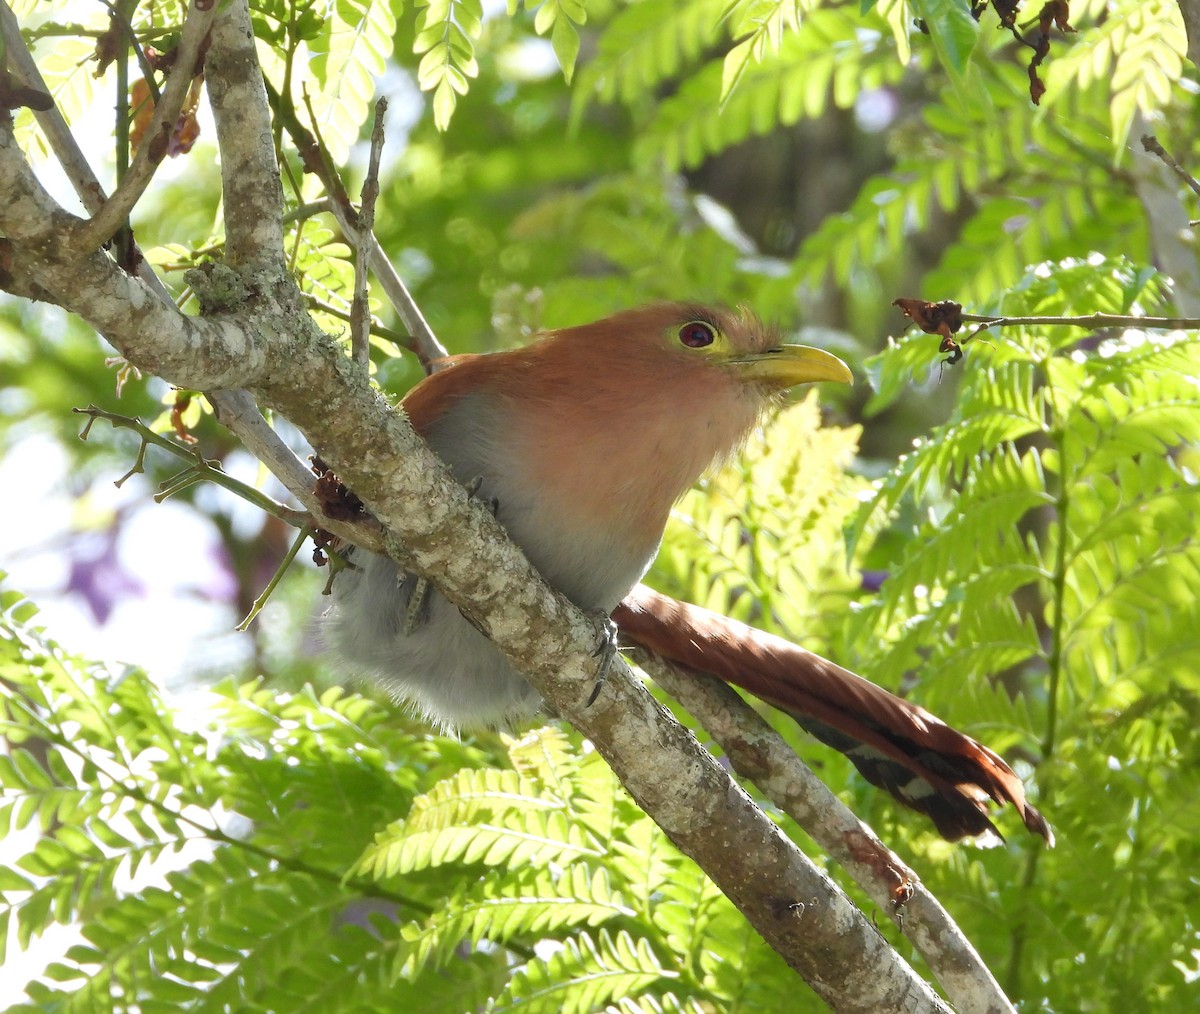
point(1007, 540)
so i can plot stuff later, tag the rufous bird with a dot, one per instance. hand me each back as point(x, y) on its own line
point(583, 441)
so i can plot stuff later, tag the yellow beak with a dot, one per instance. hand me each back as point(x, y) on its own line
point(788, 365)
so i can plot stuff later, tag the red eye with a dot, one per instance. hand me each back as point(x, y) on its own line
point(696, 334)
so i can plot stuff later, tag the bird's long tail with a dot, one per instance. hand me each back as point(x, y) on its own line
point(898, 746)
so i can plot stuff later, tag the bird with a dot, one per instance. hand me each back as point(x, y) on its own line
point(581, 442)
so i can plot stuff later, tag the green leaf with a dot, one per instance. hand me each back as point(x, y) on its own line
point(565, 40)
point(953, 32)
point(444, 101)
point(734, 66)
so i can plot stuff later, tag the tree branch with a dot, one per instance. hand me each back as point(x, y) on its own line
point(114, 212)
point(425, 343)
point(759, 754)
point(360, 315)
point(250, 184)
point(1190, 9)
point(62, 142)
point(1091, 321)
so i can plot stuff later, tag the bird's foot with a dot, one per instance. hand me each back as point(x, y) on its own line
point(606, 649)
point(416, 612)
point(491, 503)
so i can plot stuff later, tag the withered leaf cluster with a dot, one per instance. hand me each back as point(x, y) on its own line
point(944, 318)
point(1054, 14)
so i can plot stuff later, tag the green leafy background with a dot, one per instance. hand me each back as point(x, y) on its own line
point(1010, 541)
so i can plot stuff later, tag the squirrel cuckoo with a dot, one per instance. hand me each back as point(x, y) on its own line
point(583, 441)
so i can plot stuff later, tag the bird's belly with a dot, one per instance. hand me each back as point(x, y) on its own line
point(595, 565)
point(446, 670)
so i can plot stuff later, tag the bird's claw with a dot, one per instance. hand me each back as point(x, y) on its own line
point(491, 503)
point(416, 611)
point(606, 650)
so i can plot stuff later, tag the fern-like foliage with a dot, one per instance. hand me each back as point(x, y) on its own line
point(348, 54)
point(829, 56)
point(445, 41)
point(1052, 578)
point(1137, 51)
point(645, 45)
point(270, 852)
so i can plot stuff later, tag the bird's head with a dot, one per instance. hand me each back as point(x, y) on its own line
point(739, 343)
point(684, 352)
point(654, 395)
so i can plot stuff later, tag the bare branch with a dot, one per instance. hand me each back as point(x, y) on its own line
point(360, 308)
point(1190, 9)
point(237, 411)
point(208, 470)
point(424, 342)
point(62, 142)
point(428, 349)
point(250, 186)
point(257, 606)
point(1156, 177)
point(1090, 321)
point(122, 19)
point(1152, 145)
point(391, 334)
point(114, 212)
point(759, 754)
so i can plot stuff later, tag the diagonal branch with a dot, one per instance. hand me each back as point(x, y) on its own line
point(62, 141)
point(114, 212)
point(425, 343)
point(360, 315)
point(1190, 9)
point(759, 754)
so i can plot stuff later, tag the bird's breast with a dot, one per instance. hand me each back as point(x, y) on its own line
point(586, 528)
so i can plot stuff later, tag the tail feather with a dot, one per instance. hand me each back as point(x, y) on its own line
point(920, 760)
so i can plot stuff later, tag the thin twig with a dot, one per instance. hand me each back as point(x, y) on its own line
point(238, 411)
point(1151, 144)
point(62, 142)
point(115, 211)
point(1091, 321)
point(198, 467)
point(382, 330)
point(301, 212)
point(182, 480)
point(360, 307)
point(126, 26)
point(428, 349)
point(256, 608)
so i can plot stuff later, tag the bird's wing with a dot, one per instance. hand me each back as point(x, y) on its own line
point(924, 763)
point(458, 376)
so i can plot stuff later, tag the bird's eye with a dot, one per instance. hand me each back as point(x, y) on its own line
point(696, 334)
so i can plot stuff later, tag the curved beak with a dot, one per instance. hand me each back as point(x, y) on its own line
point(787, 365)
